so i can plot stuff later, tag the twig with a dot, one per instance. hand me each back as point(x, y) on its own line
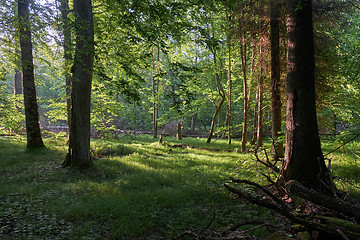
point(272, 196)
point(273, 167)
point(207, 225)
point(352, 139)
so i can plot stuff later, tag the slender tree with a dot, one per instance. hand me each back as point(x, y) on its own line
point(66, 30)
point(78, 154)
point(229, 86)
point(222, 94)
point(260, 114)
point(243, 53)
point(34, 139)
point(304, 160)
point(275, 78)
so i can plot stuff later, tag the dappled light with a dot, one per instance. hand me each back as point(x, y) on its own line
point(179, 119)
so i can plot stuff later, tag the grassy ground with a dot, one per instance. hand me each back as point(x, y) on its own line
point(137, 189)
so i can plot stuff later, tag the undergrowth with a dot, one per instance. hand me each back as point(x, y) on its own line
point(137, 189)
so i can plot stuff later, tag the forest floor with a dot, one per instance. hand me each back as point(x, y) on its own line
point(140, 189)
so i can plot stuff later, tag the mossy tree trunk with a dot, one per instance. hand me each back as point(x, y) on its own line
point(34, 139)
point(78, 154)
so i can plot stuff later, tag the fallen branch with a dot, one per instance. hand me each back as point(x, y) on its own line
point(310, 222)
point(294, 187)
point(268, 164)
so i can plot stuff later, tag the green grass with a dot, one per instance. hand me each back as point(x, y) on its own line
point(137, 189)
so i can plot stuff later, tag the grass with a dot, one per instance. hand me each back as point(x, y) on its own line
point(137, 189)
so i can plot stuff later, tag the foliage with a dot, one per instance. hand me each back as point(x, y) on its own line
point(12, 117)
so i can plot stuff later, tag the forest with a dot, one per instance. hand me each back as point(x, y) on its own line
point(179, 119)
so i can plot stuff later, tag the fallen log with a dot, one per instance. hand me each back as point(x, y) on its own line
point(318, 223)
point(351, 210)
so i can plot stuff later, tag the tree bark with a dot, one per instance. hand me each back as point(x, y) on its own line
point(275, 78)
point(304, 160)
point(243, 53)
point(18, 85)
point(34, 139)
point(18, 88)
point(78, 154)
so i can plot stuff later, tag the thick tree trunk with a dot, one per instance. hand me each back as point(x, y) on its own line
point(275, 78)
point(64, 8)
point(304, 160)
point(78, 154)
point(31, 108)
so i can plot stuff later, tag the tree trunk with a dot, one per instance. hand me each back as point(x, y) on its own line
point(243, 53)
point(18, 88)
point(179, 135)
point(217, 107)
point(253, 55)
point(34, 139)
point(304, 160)
point(66, 29)
point(155, 94)
point(260, 115)
point(18, 85)
point(229, 91)
point(193, 122)
point(78, 154)
point(275, 78)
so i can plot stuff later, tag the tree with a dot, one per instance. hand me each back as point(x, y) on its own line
point(304, 160)
point(66, 30)
point(78, 153)
point(34, 139)
point(260, 112)
point(275, 77)
point(221, 93)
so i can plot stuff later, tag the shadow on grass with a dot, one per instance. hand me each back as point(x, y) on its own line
point(149, 192)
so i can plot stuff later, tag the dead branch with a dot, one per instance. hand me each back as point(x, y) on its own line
point(272, 196)
point(268, 164)
point(305, 220)
point(294, 187)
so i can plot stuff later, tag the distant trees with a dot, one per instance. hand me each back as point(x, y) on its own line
point(34, 139)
